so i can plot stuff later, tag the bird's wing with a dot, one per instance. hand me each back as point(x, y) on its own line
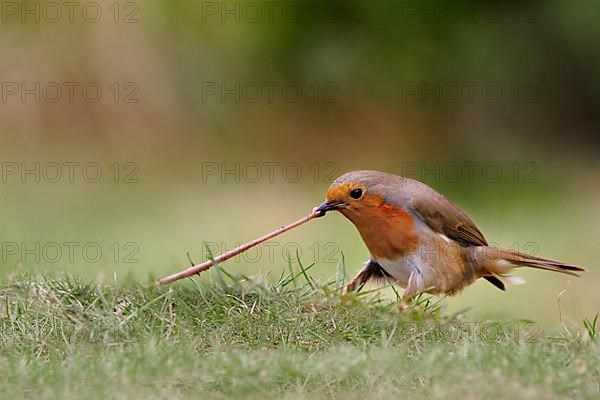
point(444, 217)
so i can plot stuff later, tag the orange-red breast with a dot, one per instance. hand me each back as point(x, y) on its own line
point(419, 239)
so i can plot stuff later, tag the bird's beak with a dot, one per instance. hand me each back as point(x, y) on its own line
point(329, 206)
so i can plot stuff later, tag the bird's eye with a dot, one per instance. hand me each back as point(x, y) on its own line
point(356, 193)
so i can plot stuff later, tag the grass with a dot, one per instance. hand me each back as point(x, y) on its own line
point(234, 337)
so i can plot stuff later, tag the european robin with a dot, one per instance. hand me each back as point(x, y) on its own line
point(419, 239)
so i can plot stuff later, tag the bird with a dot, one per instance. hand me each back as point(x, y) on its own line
point(419, 239)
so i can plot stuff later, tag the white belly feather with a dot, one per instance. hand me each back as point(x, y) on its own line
point(424, 273)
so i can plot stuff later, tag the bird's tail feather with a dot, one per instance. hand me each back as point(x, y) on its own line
point(500, 262)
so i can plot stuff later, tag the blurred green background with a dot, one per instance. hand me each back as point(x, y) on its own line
point(132, 132)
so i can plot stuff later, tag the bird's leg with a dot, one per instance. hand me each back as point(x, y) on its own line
point(371, 269)
point(359, 280)
point(411, 288)
point(409, 292)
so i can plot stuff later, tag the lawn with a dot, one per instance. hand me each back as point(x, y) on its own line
point(225, 336)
